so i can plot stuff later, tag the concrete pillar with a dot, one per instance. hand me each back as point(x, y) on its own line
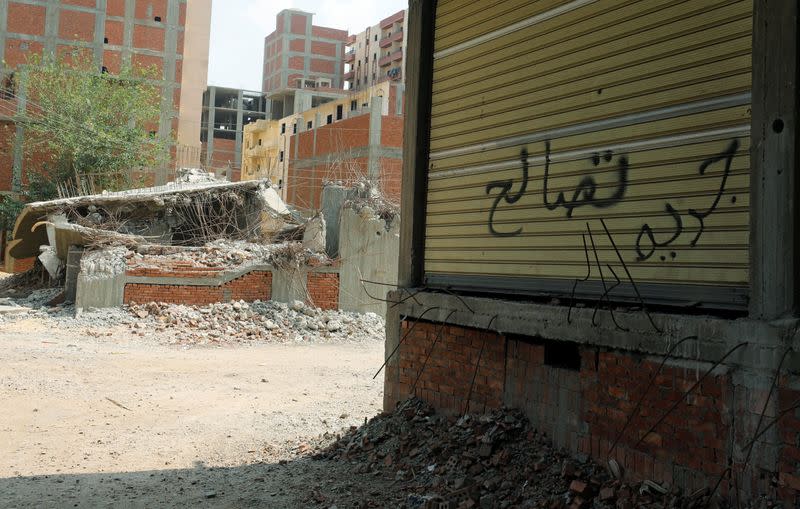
point(775, 151)
point(374, 152)
point(212, 97)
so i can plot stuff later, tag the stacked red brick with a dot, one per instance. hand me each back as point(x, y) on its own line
point(254, 285)
point(323, 289)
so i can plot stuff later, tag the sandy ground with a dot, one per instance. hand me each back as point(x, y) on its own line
point(119, 421)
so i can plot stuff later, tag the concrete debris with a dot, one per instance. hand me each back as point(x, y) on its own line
point(487, 461)
point(51, 262)
point(108, 262)
point(369, 203)
point(215, 324)
point(240, 321)
point(194, 175)
point(314, 234)
point(190, 212)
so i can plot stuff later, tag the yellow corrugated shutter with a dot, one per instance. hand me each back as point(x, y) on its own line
point(550, 118)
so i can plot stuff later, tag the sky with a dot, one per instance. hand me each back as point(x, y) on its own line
point(238, 28)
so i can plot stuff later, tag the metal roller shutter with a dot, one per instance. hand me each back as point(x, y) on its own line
point(591, 141)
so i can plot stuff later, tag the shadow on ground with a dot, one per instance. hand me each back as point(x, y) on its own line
point(304, 482)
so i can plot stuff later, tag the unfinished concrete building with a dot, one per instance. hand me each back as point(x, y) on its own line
point(225, 113)
point(600, 224)
point(303, 63)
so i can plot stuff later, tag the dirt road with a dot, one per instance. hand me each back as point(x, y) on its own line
point(118, 421)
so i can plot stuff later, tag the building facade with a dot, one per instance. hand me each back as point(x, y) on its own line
point(377, 54)
point(299, 55)
point(139, 32)
point(358, 136)
point(600, 227)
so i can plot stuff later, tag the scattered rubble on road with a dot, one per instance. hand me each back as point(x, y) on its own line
point(496, 460)
point(257, 321)
point(221, 323)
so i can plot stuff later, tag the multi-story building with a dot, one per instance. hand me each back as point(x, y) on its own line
point(352, 138)
point(225, 113)
point(300, 56)
point(377, 54)
point(139, 32)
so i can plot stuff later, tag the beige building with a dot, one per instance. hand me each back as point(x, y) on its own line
point(193, 82)
point(377, 54)
point(266, 144)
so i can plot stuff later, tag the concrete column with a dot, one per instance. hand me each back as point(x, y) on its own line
point(212, 97)
point(3, 25)
point(127, 34)
point(775, 150)
point(19, 136)
point(99, 32)
point(239, 129)
point(374, 151)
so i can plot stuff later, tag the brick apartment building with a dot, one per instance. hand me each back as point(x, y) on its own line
point(140, 32)
point(322, 125)
point(300, 55)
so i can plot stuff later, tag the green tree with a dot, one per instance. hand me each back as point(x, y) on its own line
point(82, 124)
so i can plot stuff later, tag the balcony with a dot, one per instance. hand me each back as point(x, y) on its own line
point(349, 75)
point(398, 36)
point(351, 40)
point(349, 56)
point(397, 55)
point(391, 20)
point(386, 41)
point(383, 62)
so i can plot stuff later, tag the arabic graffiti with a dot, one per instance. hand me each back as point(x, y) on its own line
point(586, 189)
point(585, 193)
point(646, 231)
point(505, 186)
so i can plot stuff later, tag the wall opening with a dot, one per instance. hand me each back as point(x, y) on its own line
point(562, 354)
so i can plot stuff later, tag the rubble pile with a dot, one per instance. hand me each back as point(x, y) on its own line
point(240, 321)
point(486, 461)
point(369, 202)
point(223, 254)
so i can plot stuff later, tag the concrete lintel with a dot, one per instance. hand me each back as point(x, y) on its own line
point(766, 340)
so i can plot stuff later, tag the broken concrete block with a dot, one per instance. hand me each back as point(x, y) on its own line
point(50, 260)
point(314, 235)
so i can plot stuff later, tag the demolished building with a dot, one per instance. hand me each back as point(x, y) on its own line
point(600, 210)
point(202, 241)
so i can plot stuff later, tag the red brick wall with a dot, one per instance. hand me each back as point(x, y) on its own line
point(323, 289)
point(585, 408)
point(297, 25)
point(329, 33)
point(25, 19)
point(256, 285)
point(148, 37)
point(391, 178)
point(326, 49)
point(75, 25)
point(297, 63)
point(224, 153)
point(322, 66)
